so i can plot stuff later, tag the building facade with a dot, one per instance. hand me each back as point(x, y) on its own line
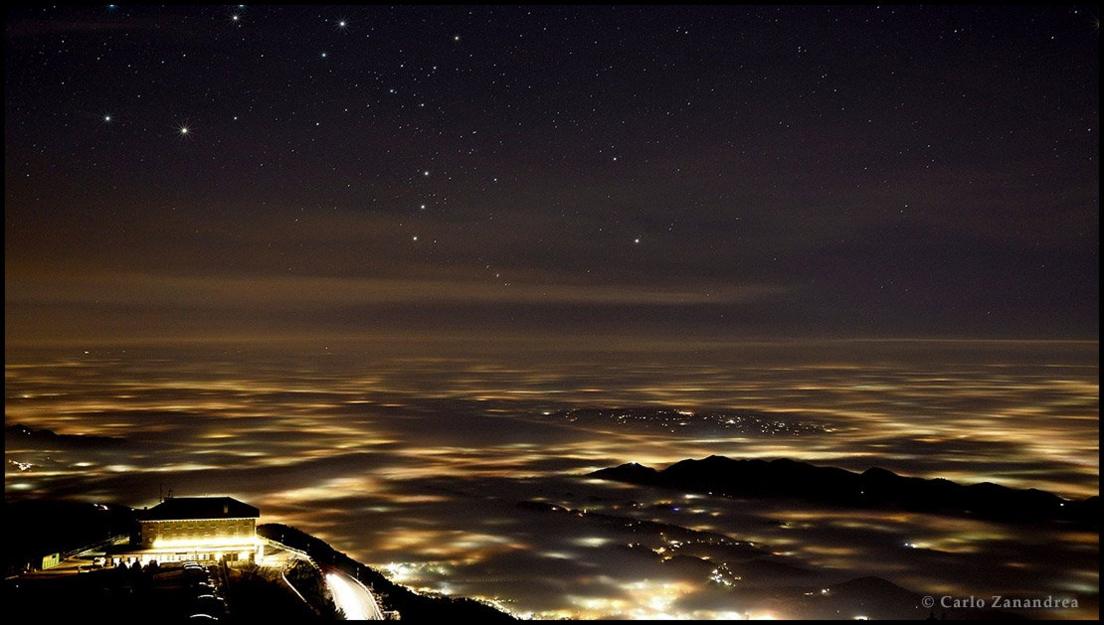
point(199, 528)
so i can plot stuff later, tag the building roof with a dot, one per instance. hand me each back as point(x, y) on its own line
point(201, 508)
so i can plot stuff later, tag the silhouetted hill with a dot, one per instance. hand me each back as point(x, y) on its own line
point(20, 435)
point(39, 527)
point(873, 488)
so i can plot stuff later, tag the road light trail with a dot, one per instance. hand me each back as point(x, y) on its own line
point(353, 598)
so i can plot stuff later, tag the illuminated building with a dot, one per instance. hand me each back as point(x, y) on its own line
point(198, 528)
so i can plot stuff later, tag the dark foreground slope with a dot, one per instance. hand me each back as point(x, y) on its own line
point(874, 488)
point(37, 528)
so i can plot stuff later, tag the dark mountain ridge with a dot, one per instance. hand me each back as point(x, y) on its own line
point(20, 435)
point(875, 488)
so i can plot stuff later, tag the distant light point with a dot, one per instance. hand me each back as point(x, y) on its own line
point(414, 238)
point(107, 118)
point(456, 37)
point(235, 17)
point(341, 24)
point(425, 173)
point(183, 130)
point(323, 55)
point(636, 240)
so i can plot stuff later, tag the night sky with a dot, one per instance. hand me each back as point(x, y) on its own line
point(247, 171)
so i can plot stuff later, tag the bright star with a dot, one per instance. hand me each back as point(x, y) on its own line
point(422, 206)
point(183, 130)
point(415, 237)
point(636, 240)
point(456, 37)
point(341, 24)
point(107, 118)
point(234, 17)
point(425, 173)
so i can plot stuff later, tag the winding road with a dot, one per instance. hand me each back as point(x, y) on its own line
point(354, 599)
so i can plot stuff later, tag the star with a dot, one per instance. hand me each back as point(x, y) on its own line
point(323, 55)
point(341, 24)
point(414, 238)
point(107, 118)
point(425, 173)
point(183, 130)
point(636, 240)
point(456, 37)
point(235, 17)
point(423, 206)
